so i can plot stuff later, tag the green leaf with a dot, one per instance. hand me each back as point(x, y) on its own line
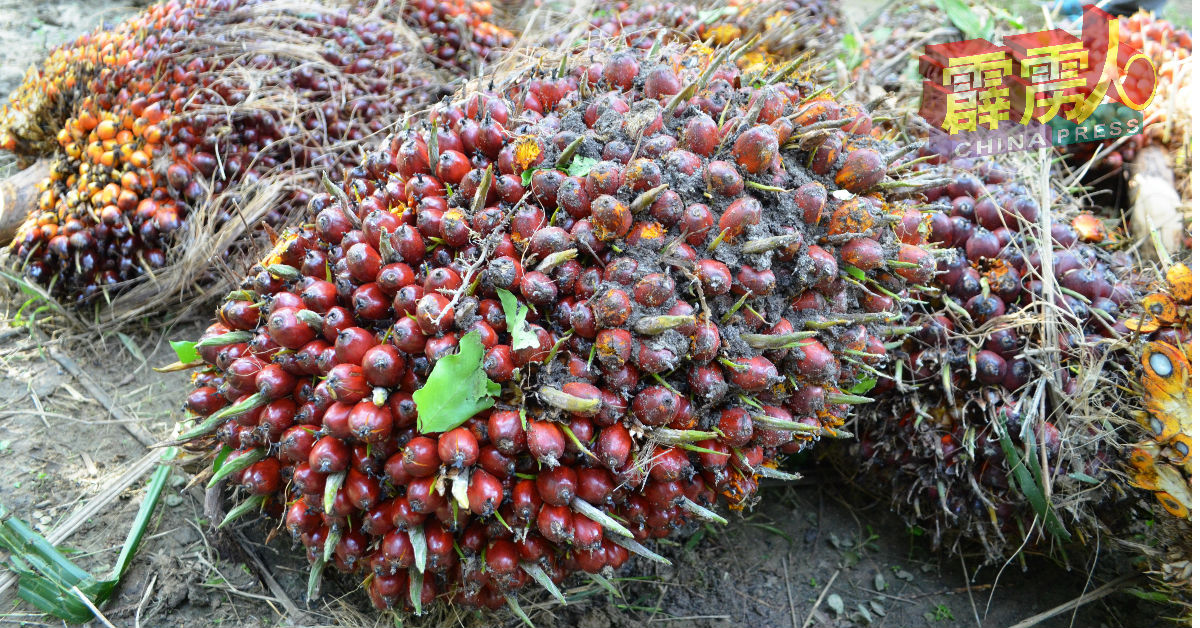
point(46, 577)
point(185, 350)
point(1030, 488)
point(965, 20)
point(864, 384)
point(456, 390)
point(219, 459)
point(581, 166)
point(526, 177)
point(514, 316)
point(856, 272)
point(851, 51)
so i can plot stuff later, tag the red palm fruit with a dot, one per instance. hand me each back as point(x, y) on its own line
point(423, 496)
point(336, 420)
point(505, 431)
point(396, 552)
point(613, 446)
point(655, 405)
point(370, 423)
point(757, 148)
point(329, 455)
point(863, 253)
point(621, 70)
point(556, 486)
point(662, 495)
point(740, 214)
point(458, 448)
point(737, 428)
point(613, 347)
point(668, 464)
point(403, 408)
point(525, 500)
point(587, 533)
point(300, 519)
point(262, 477)
point(595, 486)
point(495, 462)
point(863, 169)
point(545, 441)
point(484, 492)
point(555, 523)
point(990, 368)
point(363, 262)
point(296, 443)
point(352, 344)
point(499, 363)
point(696, 222)
point(347, 383)
point(421, 457)
point(434, 314)
point(723, 179)
point(287, 330)
point(752, 374)
point(700, 135)
point(383, 366)
point(308, 480)
point(611, 218)
point(361, 490)
point(612, 308)
point(714, 276)
point(926, 264)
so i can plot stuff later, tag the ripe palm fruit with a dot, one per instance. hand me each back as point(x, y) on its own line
point(597, 379)
point(166, 115)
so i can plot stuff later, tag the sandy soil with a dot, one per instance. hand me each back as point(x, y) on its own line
point(814, 553)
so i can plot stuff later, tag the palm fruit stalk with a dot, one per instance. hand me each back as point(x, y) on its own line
point(190, 122)
point(554, 320)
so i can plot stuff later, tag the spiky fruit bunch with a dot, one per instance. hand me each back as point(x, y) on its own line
point(555, 320)
point(457, 33)
point(974, 382)
point(183, 111)
point(785, 28)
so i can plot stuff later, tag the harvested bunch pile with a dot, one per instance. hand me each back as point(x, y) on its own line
point(190, 122)
point(1008, 417)
point(557, 319)
point(970, 382)
point(457, 33)
point(784, 29)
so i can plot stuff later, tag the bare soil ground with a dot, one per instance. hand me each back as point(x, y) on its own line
point(813, 553)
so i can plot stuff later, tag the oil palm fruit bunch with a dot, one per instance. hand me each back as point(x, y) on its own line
point(975, 415)
point(457, 33)
point(556, 319)
point(192, 113)
point(784, 28)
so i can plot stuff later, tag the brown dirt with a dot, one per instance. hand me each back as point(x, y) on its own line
point(59, 447)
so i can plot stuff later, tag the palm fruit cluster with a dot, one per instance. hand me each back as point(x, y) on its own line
point(784, 28)
point(973, 384)
point(555, 320)
point(457, 33)
point(189, 106)
point(1165, 120)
